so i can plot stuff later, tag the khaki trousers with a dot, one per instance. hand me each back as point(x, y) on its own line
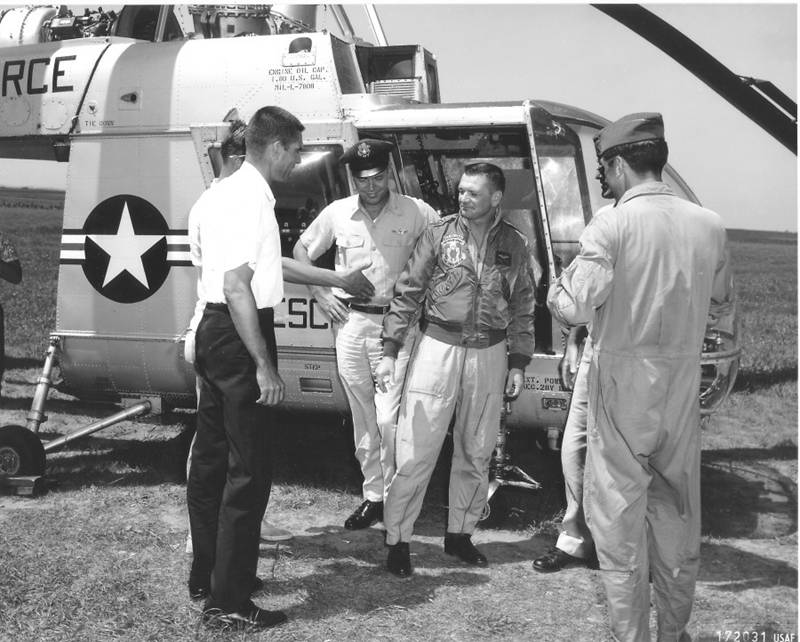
point(358, 352)
point(575, 538)
point(443, 379)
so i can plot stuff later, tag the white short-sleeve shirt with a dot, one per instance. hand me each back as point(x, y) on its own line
point(234, 224)
point(387, 241)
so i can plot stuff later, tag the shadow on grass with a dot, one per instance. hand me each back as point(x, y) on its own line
point(731, 569)
point(786, 451)
point(742, 498)
point(330, 590)
point(23, 363)
point(312, 450)
point(97, 409)
point(119, 462)
point(747, 381)
point(309, 450)
point(346, 572)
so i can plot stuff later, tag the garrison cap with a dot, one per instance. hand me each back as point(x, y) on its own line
point(368, 157)
point(633, 128)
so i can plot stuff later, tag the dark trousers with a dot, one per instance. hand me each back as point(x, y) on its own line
point(231, 472)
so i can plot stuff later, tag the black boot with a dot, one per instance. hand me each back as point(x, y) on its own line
point(460, 545)
point(399, 560)
point(365, 516)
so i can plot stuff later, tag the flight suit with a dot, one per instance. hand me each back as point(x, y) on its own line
point(477, 324)
point(575, 538)
point(650, 275)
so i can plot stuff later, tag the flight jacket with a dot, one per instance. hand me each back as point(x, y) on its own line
point(458, 307)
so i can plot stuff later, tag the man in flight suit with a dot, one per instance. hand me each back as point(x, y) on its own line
point(651, 275)
point(472, 275)
point(381, 226)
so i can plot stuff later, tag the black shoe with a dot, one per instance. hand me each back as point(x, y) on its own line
point(460, 545)
point(365, 516)
point(202, 591)
point(248, 617)
point(198, 591)
point(199, 582)
point(399, 560)
point(555, 560)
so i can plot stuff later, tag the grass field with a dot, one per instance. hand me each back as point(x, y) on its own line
point(101, 556)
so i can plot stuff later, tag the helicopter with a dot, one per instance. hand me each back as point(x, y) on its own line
point(137, 103)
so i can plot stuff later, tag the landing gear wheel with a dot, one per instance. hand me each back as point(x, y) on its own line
point(495, 511)
point(21, 452)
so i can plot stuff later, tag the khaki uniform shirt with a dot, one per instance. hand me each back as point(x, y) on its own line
point(387, 241)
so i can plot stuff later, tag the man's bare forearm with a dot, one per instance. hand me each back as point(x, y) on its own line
point(244, 315)
point(301, 270)
point(295, 271)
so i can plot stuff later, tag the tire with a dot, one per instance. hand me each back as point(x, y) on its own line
point(21, 452)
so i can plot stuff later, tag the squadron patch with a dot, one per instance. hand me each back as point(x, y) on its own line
point(453, 250)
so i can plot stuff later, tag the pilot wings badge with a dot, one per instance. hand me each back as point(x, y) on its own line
point(452, 250)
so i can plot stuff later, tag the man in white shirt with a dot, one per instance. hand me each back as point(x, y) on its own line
point(382, 226)
point(232, 152)
point(236, 358)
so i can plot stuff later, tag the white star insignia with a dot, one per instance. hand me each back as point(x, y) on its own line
point(125, 249)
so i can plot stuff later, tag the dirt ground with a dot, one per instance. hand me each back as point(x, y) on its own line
point(747, 582)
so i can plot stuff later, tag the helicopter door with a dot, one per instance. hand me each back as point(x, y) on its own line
point(430, 162)
point(559, 166)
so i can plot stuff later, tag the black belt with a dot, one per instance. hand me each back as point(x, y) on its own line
point(368, 309)
point(223, 307)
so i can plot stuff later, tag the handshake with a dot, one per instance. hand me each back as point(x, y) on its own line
point(354, 282)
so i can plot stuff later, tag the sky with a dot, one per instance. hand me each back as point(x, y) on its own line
point(574, 54)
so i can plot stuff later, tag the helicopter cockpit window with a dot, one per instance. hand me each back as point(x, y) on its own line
point(432, 161)
point(142, 22)
point(318, 180)
point(564, 182)
point(430, 167)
